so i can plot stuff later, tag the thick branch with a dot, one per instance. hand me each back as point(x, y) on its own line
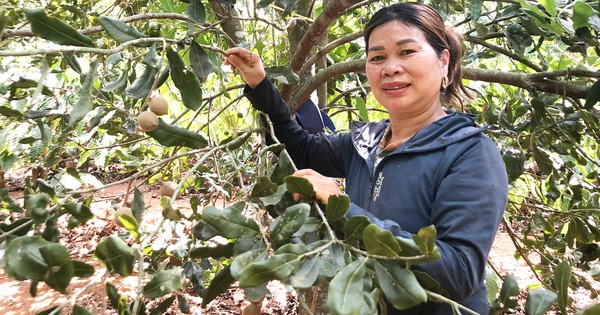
point(332, 11)
point(528, 81)
point(326, 49)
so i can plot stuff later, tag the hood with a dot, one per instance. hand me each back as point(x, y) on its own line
point(441, 133)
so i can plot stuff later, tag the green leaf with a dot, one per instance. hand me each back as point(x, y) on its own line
point(116, 255)
point(300, 185)
point(71, 60)
point(220, 284)
point(4, 20)
point(82, 270)
point(55, 30)
point(475, 8)
point(196, 11)
point(138, 207)
point(200, 61)
point(399, 285)
point(307, 274)
point(344, 296)
point(332, 260)
point(171, 136)
point(256, 294)
point(152, 58)
point(186, 81)
point(141, 87)
point(509, 292)
point(121, 31)
point(80, 310)
point(355, 226)
point(221, 250)
point(36, 207)
point(245, 259)
point(380, 242)
point(60, 269)
point(283, 74)
point(292, 219)
point(9, 112)
point(47, 311)
point(85, 103)
point(163, 306)
point(593, 95)
point(549, 5)
point(362, 108)
point(163, 283)
point(113, 295)
point(263, 188)
point(581, 14)
point(562, 278)
point(240, 139)
point(230, 223)
point(80, 211)
point(8, 203)
point(276, 267)
point(591, 310)
point(539, 301)
point(425, 239)
point(23, 260)
point(119, 84)
point(337, 207)
point(276, 197)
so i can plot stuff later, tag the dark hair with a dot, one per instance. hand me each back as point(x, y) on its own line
point(429, 21)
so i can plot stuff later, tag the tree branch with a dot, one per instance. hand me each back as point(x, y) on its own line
point(332, 11)
point(529, 81)
point(505, 52)
point(326, 49)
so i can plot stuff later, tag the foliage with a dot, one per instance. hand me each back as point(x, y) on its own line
point(74, 76)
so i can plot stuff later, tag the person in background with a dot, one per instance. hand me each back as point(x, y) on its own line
point(422, 166)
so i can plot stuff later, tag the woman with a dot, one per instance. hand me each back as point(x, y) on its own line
point(422, 166)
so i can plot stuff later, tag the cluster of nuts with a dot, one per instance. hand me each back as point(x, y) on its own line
point(148, 120)
point(167, 189)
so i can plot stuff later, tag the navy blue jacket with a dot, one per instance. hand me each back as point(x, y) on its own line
point(450, 175)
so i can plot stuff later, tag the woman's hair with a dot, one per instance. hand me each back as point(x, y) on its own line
point(440, 37)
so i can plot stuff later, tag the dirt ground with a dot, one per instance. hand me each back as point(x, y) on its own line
point(90, 292)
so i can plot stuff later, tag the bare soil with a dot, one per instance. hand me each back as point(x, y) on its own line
point(90, 292)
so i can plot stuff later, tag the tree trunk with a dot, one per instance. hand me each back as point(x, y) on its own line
point(313, 301)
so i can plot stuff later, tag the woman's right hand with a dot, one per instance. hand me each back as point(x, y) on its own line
point(248, 63)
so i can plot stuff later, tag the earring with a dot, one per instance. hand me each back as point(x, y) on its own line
point(444, 82)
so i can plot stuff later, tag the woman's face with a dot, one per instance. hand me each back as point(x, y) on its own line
point(404, 71)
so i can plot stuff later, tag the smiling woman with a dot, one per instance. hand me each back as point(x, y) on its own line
point(423, 166)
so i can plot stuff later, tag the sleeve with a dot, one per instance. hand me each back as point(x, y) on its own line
point(322, 152)
point(468, 208)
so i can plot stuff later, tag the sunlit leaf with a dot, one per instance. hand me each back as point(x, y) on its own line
point(362, 108)
point(243, 260)
point(55, 30)
point(510, 292)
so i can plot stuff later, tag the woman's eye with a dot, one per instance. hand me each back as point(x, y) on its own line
point(377, 58)
point(407, 52)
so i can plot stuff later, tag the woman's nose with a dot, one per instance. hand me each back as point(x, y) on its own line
point(391, 68)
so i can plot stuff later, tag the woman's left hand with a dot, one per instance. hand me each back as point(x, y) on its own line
point(324, 186)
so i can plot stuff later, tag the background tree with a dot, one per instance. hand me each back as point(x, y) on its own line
point(75, 75)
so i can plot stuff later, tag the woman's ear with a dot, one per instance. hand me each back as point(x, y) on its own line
point(445, 61)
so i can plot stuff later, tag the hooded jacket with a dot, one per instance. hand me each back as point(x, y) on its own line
point(449, 175)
